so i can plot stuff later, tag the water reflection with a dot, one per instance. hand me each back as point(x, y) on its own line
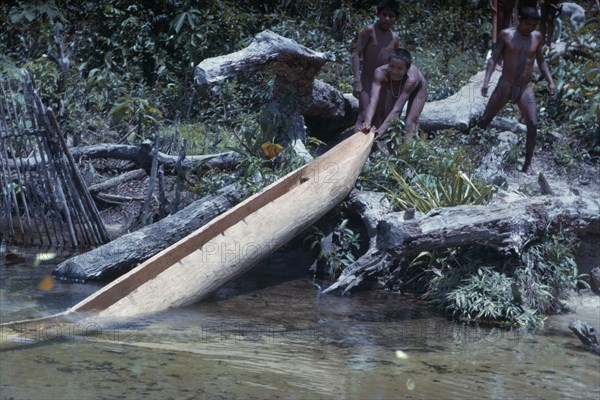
point(269, 335)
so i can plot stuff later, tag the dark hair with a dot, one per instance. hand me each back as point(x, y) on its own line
point(529, 13)
point(402, 54)
point(389, 5)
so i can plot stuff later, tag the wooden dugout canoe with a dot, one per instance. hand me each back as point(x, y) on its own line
point(233, 242)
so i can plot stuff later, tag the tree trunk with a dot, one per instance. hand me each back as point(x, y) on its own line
point(122, 254)
point(461, 110)
point(295, 68)
point(506, 228)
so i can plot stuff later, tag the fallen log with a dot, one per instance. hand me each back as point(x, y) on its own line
point(141, 156)
point(506, 228)
point(116, 181)
point(461, 110)
point(121, 255)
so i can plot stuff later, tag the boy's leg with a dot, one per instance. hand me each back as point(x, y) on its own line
point(414, 110)
point(363, 103)
point(548, 13)
point(528, 109)
point(498, 99)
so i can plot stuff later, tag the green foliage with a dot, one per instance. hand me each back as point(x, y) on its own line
point(484, 296)
point(28, 12)
point(424, 192)
point(425, 176)
point(443, 48)
point(136, 116)
point(515, 292)
point(337, 250)
point(551, 263)
point(577, 77)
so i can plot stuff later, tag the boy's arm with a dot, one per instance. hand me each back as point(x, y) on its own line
point(491, 63)
point(539, 55)
point(373, 99)
point(359, 49)
point(398, 106)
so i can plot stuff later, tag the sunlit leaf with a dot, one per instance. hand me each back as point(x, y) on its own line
point(271, 149)
point(46, 284)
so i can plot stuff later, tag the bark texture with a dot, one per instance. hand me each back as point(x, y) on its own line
point(506, 228)
point(122, 254)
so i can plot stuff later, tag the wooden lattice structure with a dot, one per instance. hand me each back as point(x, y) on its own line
point(43, 198)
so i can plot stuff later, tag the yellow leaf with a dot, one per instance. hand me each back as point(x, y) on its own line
point(47, 283)
point(271, 149)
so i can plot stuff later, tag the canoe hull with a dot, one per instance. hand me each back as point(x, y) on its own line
point(232, 243)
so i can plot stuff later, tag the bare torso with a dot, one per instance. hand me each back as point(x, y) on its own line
point(408, 84)
point(377, 49)
point(518, 55)
point(391, 90)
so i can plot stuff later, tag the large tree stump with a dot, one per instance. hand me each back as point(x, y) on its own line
point(295, 68)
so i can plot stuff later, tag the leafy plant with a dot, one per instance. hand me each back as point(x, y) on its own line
point(577, 77)
point(550, 264)
point(424, 192)
point(510, 291)
point(337, 250)
point(423, 176)
point(136, 116)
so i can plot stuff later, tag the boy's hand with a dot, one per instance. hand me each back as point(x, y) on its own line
point(356, 89)
point(365, 128)
point(552, 89)
point(484, 90)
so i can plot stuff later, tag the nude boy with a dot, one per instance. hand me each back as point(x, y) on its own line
point(518, 48)
point(374, 45)
point(395, 84)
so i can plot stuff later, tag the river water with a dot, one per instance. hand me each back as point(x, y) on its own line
point(269, 334)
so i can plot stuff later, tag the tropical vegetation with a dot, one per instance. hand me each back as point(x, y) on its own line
point(130, 78)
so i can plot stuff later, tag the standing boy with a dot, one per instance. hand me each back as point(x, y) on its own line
point(374, 45)
point(518, 47)
point(549, 10)
point(504, 13)
point(394, 84)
